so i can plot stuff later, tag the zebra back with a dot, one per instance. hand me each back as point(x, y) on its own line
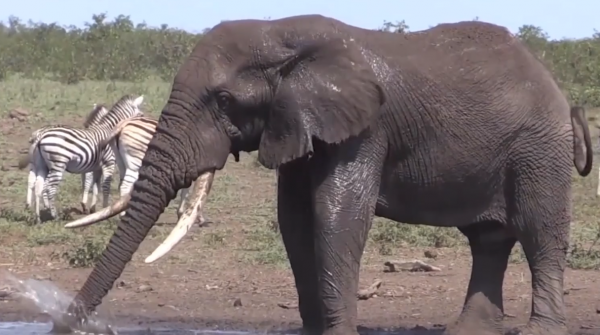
point(124, 108)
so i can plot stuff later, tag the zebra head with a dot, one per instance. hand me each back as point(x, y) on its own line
point(94, 117)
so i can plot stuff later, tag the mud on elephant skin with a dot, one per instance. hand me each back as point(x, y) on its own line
point(457, 125)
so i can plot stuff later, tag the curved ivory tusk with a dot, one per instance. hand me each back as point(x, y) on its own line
point(196, 199)
point(103, 214)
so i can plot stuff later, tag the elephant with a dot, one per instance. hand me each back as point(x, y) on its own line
point(458, 126)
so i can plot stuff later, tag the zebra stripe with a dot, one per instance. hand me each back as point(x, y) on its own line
point(74, 150)
point(129, 142)
point(102, 175)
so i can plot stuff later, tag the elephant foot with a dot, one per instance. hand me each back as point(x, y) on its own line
point(340, 331)
point(84, 208)
point(535, 328)
point(474, 327)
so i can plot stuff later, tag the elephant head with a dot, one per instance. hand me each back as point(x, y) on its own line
point(273, 86)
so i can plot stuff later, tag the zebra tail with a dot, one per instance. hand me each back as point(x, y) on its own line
point(28, 157)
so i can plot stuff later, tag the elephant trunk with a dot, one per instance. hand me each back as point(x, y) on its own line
point(171, 162)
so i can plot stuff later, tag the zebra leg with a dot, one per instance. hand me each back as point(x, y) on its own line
point(50, 187)
point(128, 180)
point(40, 178)
point(598, 190)
point(95, 187)
point(107, 175)
point(86, 183)
point(30, 186)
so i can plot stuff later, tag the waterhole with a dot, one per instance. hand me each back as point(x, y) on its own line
point(48, 299)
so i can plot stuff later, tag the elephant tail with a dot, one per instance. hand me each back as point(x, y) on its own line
point(582, 143)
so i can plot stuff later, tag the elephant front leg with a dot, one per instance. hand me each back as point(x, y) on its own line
point(483, 309)
point(295, 216)
point(344, 205)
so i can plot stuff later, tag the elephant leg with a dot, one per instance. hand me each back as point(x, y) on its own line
point(483, 311)
point(344, 205)
point(295, 216)
point(541, 220)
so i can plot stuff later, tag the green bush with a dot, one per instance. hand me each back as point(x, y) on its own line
point(120, 50)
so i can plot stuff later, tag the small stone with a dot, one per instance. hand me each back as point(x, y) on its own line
point(144, 288)
point(18, 114)
point(41, 277)
point(237, 302)
point(432, 254)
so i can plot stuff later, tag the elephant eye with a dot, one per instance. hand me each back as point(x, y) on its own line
point(224, 99)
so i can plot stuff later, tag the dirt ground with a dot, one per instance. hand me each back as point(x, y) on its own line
point(232, 273)
point(202, 295)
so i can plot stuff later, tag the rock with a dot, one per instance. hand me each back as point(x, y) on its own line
point(42, 277)
point(237, 302)
point(19, 114)
point(122, 284)
point(144, 288)
point(432, 254)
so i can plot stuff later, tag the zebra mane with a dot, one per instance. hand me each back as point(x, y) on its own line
point(95, 115)
point(126, 102)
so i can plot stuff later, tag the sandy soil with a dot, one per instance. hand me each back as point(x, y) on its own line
point(203, 296)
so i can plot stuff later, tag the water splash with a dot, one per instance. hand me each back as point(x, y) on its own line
point(51, 300)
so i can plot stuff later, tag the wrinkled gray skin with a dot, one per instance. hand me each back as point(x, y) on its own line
point(457, 126)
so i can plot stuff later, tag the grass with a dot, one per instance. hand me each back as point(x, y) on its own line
point(242, 201)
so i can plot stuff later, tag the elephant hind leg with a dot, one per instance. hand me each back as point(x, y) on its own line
point(296, 221)
point(491, 244)
point(541, 218)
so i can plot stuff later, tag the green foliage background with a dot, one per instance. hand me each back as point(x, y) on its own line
point(119, 50)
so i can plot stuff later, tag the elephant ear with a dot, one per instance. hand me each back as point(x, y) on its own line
point(326, 90)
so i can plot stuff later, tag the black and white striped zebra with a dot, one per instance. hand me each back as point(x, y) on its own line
point(74, 150)
point(107, 167)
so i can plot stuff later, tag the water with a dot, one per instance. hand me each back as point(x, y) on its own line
point(50, 300)
point(25, 328)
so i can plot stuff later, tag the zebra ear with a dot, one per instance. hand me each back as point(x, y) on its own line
point(138, 101)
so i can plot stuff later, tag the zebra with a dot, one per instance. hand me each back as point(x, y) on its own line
point(106, 168)
point(72, 149)
point(129, 141)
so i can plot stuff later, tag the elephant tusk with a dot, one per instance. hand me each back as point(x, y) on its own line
point(103, 214)
point(196, 198)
